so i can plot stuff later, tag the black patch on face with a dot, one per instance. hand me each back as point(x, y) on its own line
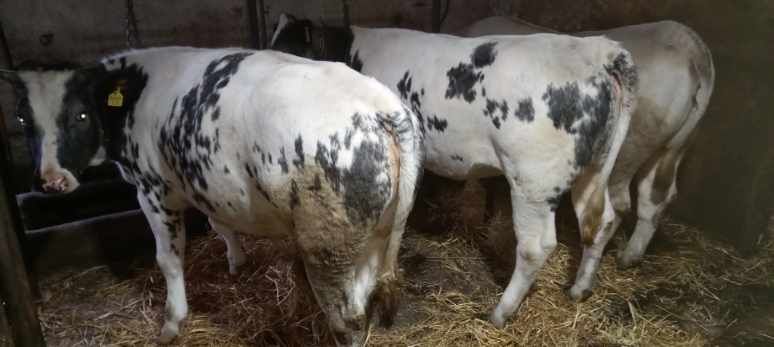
point(78, 137)
point(294, 200)
point(525, 112)
point(581, 115)
point(283, 161)
point(226, 170)
point(32, 132)
point(456, 157)
point(484, 55)
point(496, 111)
point(186, 146)
point(299, 161)
point(83, 115)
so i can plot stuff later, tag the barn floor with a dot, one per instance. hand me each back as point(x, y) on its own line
point(689, 291)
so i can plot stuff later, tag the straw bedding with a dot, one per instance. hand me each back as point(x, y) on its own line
point(689, 291)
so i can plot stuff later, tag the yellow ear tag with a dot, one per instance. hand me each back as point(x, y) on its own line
point(115, 99)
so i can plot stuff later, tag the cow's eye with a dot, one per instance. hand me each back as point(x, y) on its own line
point(21, 120)
point(82, 116)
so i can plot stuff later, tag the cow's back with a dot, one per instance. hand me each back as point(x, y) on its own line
point(472, 92)
point(674, 65)
point(246, 135)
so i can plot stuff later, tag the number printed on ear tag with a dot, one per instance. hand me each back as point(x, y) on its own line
point(115, 99)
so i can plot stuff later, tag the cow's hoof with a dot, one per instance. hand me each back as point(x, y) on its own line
point(235, 265)
point(168, 333)
point(233, 270)
point(577, 295)
point(627, 262)
point(498, 320)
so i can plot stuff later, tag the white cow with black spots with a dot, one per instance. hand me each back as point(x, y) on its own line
point(547, 111)
point(676, 82)
point(261, 142)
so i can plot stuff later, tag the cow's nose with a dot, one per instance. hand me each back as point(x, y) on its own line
point(56, 184)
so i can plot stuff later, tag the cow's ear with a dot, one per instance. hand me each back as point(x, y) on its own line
point(283, 22)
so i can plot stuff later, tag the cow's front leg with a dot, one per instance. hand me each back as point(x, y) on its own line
point(169, 231)
point(234, 251)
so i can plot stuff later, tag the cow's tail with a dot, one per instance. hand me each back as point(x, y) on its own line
point(405, 129)
point(621, 69)
point(703, 71)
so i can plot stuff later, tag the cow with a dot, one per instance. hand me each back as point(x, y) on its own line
point(677, 78)
point(545, 111)
point(261, 142)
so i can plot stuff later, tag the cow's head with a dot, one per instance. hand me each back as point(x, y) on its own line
point(305, 39)
point(59, 114)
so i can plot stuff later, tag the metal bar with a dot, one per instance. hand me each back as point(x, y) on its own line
point(132, 34)
point(252, 24)
point(436, 16)
point(345, 12)
point(6, 50)
point(262, 24)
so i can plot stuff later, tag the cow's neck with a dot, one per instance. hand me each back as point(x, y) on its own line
point(117, 118)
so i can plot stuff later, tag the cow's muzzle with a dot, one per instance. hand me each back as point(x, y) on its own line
point(58, 181)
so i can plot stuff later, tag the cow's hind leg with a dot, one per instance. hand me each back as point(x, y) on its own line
point(598, 223)
point(234, 251)
point(655, 191)
point(169, 232)
point(533, 220)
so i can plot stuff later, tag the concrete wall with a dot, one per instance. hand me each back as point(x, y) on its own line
point(728, 177)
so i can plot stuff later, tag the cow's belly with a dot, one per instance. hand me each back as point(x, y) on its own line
point(461, 155)
point(238, 204)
